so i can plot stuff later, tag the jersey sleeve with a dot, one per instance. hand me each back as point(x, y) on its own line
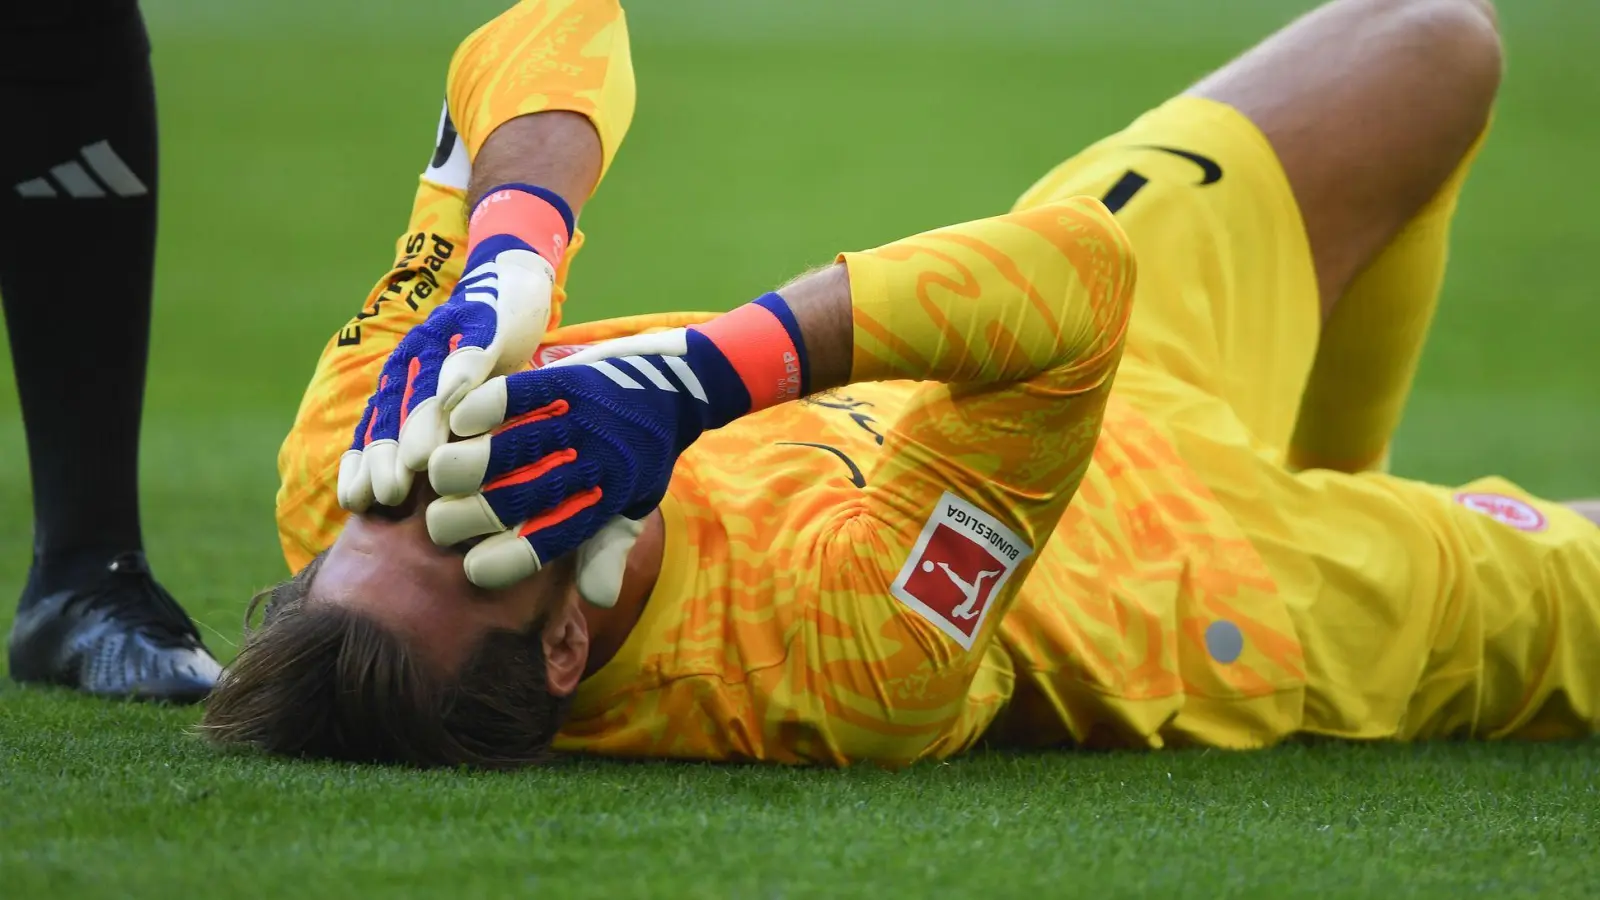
point(1018, 323)
point(544, 55)
point(538, 56)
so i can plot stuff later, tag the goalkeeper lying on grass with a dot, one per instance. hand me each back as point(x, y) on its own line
point(898, 508)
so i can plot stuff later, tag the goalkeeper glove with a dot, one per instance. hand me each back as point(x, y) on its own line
point(493, 322)
point(585, 446)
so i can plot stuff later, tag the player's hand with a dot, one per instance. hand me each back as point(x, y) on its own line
point(581, 448)
point(492, 323)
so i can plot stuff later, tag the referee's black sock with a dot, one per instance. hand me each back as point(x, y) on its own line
point(78, 199)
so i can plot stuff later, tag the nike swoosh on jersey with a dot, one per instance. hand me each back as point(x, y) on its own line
point(1210, 170)
point(856, 478)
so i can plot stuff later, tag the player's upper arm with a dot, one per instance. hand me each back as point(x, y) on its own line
point(544, 55)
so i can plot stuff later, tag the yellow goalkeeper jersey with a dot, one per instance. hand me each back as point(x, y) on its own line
point(764, 641)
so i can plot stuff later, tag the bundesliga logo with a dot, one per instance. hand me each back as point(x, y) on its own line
point(960, 562)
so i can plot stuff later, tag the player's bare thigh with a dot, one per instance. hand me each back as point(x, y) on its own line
point(1369, 105)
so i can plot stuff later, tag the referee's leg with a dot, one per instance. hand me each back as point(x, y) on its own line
point(78, 187)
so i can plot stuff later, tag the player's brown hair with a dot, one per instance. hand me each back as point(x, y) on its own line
point(319, 681)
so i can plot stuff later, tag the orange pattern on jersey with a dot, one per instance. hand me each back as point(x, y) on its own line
point(738, 657)
point(550, 54)
point(1109, 637)
point(774, 633)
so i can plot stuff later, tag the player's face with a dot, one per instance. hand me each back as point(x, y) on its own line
point(385, 565)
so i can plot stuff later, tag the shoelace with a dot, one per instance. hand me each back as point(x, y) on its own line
point(129, 594)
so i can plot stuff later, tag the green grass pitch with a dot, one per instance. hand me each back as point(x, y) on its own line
point(768, 136)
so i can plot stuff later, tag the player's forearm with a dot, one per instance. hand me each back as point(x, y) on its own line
point(821, 304)
point(557, 150)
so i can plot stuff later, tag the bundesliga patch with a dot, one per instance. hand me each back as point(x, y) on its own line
point(958, 565)
point(547, 355)
point(1519, 514)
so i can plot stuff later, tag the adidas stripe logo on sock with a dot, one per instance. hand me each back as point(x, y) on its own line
point(112, 173)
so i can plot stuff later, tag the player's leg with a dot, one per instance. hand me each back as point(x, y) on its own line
point(1372, 343)
point(1225, 305)
point(78, 185)
point(1370, 105)
point(1258, 197)
point(1447, 613)
point(1420, 611)
point(1402, 95)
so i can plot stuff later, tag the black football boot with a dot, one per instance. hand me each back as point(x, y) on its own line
point(123, 636)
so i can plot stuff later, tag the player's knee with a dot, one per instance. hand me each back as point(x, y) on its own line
point(1486, 10)
point(1460, 43)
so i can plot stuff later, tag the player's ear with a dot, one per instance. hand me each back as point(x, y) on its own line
point(566, 649)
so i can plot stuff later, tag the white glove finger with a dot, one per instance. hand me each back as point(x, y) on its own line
point(391, 482)
point(481, 410)
point(452, 520)
point(501, 561)
point(460, 468)
point(525, 283)
point(424, 430)
point(603, 559)
point(673, 342)
point(355, 487)
point(464, 369)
